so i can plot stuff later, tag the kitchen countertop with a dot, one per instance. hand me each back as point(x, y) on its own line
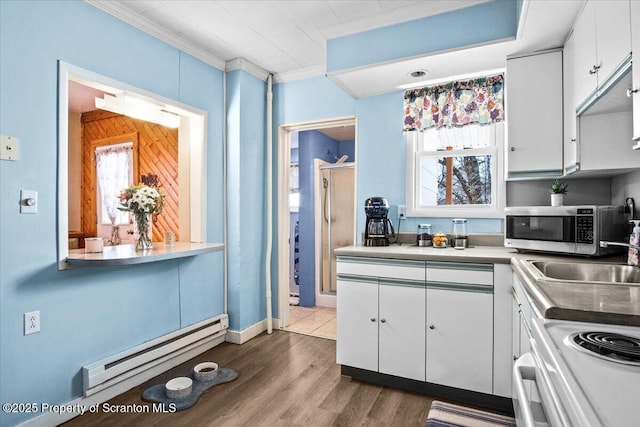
point(554, 299)
point(487, 254)
point(583, 301)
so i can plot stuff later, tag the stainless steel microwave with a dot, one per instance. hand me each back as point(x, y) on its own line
point(574, 230)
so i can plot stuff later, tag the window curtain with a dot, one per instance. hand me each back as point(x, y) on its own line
point(114, 169)
point(455, 104)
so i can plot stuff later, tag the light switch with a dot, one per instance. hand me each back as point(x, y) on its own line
point(8, 147)
point(28, 201)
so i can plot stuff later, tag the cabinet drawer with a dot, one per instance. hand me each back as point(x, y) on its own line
point(459, 273)
point(381, 267)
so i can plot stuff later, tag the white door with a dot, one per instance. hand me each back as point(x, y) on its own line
point(613, 35)
point(585, 73)
point(357, 323)
point(460, 339)
point(401, 329)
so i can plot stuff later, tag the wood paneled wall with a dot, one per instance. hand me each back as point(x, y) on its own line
point(157, 154)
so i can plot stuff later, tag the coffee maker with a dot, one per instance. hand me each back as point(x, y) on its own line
point(377, 226)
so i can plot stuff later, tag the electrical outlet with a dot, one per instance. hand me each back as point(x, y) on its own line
point(402, 211)
point(31, 322)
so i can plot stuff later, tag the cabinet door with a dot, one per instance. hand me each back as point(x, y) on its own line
point(635, 70)
point(402, 329)
point(460, 339)
point(585, 73)
point(357, 323)
point(534, 149)
point(570, 143)
point(613, 36)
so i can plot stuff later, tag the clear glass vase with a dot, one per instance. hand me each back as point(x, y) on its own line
point(143, 231)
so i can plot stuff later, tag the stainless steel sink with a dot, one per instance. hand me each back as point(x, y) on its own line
point(588, 272)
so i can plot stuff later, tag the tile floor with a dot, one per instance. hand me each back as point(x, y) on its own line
point(314, 321)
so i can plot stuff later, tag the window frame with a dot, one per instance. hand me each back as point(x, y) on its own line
point(498, 185)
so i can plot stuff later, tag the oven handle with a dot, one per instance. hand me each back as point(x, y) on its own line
point(524, 369)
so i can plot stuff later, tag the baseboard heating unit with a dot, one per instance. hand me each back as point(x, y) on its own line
point(120, 367)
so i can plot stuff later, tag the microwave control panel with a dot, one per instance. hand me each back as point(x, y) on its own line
point(584, 226)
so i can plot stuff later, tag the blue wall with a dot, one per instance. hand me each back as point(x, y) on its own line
point(382, 163)
point(87, 314)
point(246, 203)
point(481, 24)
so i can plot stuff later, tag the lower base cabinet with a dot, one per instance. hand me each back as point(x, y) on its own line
point(460, 339)
point(437, 330)
point(401, 333)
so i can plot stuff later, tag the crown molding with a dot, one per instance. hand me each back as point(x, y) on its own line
point(248, 66)
point(317, 70)
point(124, 14)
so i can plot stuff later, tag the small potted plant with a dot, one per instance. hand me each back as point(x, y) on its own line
point(558, 190)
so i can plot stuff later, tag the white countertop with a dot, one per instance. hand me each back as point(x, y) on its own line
point(487, 254)
point(601, 303)
point(127, 254)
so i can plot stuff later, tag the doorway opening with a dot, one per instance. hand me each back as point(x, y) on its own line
point(319, 217)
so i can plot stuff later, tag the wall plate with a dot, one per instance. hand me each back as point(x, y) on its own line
point(9, 147)
point(28, 201)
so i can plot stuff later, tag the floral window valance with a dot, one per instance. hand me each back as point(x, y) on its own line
point(455, 104)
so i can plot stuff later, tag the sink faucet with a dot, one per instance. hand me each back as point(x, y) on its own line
point(604, 244)
point(632, 257)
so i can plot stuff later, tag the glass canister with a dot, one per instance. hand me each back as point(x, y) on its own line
point(459, 235)
point(424, 235)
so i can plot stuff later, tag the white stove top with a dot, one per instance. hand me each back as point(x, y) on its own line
point(594, 391)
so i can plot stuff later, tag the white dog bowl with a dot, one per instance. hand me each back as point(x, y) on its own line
point(205, 371)
point(179, 387)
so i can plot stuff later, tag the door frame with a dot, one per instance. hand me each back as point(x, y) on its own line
point(283, 236)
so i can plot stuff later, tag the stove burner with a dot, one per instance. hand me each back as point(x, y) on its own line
point(610, 346)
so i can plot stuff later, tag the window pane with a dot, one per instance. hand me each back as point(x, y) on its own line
point(458, 180)
point(471, 136)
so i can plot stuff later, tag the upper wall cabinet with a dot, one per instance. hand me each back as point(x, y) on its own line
point(602, 36)
point(534, 115)
point(596, 66)
point(635, 70)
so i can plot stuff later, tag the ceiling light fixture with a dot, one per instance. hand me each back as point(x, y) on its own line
point(418, 73)
point(138, 108)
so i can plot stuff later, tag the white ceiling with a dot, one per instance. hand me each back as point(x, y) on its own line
point(288, 37)
point(280, 36)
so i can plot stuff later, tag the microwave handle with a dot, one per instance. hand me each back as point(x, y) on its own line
point(524, 369)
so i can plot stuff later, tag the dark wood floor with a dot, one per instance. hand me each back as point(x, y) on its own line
point(286, 379)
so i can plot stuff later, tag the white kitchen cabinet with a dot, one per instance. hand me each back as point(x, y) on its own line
point(460, 339)
point(597, 116)
point(401, 329)
point(602, 35)
point(534, 151)
point(426, 321)
point(613, 36)
point(584, 78)
point(460, 325)
point(357, 325)
point(635, 70)
point(380, 319)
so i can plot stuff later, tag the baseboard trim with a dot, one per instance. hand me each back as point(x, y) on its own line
point(241, 337)
point(53, 419)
